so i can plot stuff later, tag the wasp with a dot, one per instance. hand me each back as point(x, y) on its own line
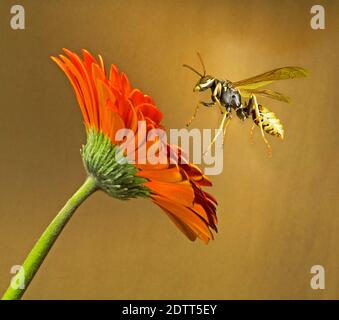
point(241, 97)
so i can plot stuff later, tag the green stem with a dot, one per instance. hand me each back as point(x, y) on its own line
point(47, 239)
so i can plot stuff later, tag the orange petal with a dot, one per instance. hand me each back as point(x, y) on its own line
point(167, 175)
point(186, 217)
point(185, 229)
point(181, 193)
point(78, 93)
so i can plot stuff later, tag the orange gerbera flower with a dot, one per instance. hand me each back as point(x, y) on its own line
point(109, 103)
point(109, 106)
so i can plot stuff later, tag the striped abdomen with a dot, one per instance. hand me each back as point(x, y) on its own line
point(271, 124)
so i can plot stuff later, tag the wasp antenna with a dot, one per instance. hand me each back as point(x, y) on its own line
point(202, 63)
point(192, 69)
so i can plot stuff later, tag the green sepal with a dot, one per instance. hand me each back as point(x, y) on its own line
point(111, 169)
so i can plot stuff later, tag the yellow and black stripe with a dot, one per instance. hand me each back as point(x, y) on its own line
point(270, 122)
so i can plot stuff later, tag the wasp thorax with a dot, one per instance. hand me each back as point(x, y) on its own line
point(204, 83)
point(231, 97)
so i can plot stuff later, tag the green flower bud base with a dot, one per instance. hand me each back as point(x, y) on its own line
point(111, 170)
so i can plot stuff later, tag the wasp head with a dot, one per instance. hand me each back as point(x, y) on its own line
point(204, 83)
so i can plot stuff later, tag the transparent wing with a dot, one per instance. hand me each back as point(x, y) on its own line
point(265, 93)
point(268, 77)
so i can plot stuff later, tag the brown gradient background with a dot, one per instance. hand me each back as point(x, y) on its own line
point(278, 216)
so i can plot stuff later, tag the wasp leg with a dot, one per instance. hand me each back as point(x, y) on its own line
point(215, 95)
point(229, 118)
point(194, 115)
point(211, 104)
point(219, 105)
point(205, 104)
point(226, 115)
point(257, 114)
point(251, 133)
